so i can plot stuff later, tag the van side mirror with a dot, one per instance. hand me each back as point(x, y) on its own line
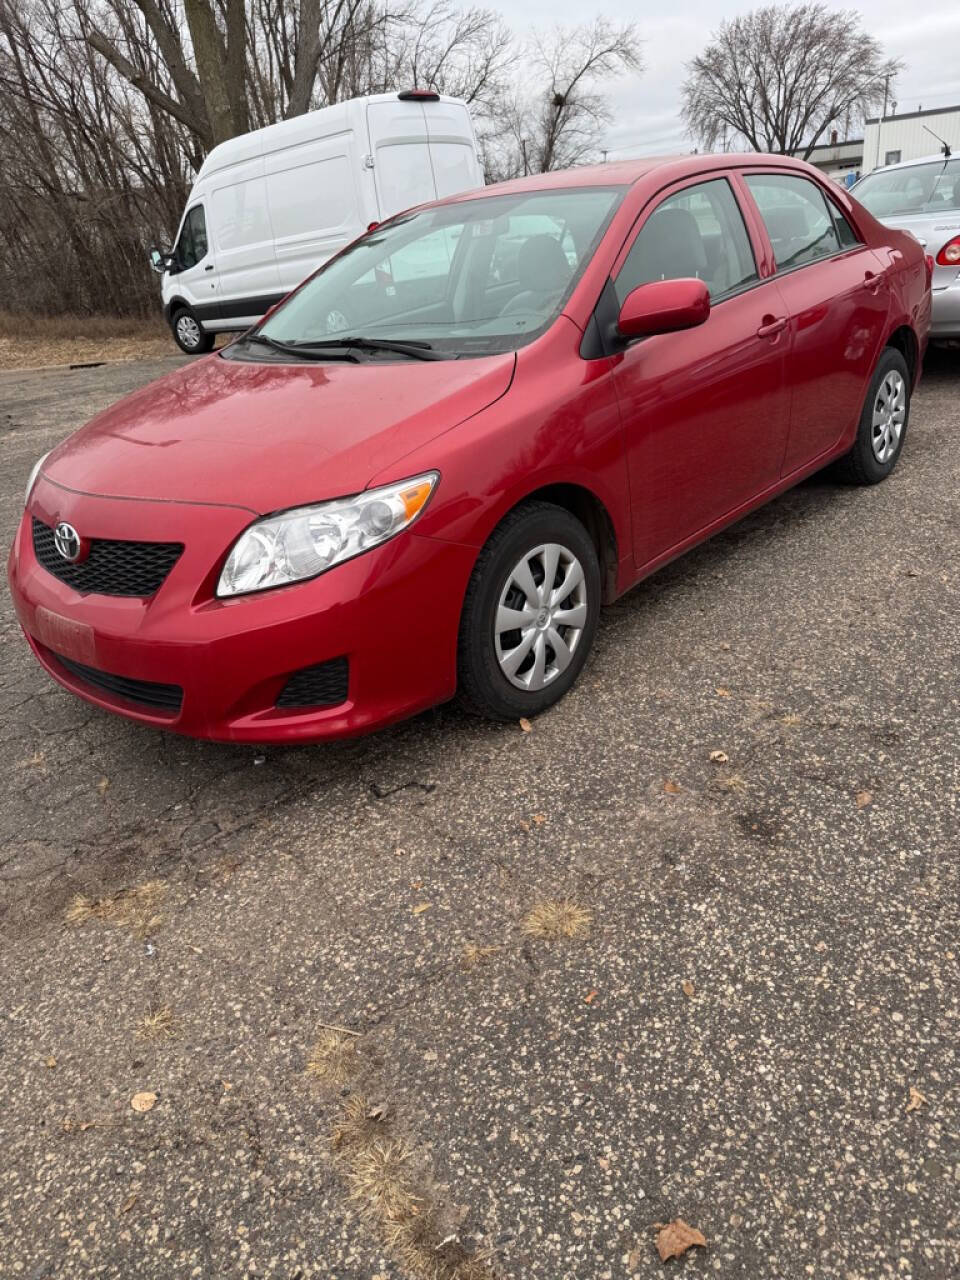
point(664, 306)
point(160, 262)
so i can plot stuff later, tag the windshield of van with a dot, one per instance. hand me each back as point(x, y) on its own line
point(919, 188)
point(469, 278)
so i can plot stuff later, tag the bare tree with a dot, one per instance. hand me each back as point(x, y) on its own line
point(560, 125)
point(779, 76)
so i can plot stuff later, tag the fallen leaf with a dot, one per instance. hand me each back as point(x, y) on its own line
point(431, 1055)
point(917, 1100)
point(130, 1201)
point(719, 757)
point(864, 798)
point(687, 988)
point(590, 997)
point(675, 1238)
point(421, 908)
point(103, 785)
point(721, 692)
point(227, 1086)
point(525, 724)
point(672, 788)
point(50, 1062)
point(143, 1101)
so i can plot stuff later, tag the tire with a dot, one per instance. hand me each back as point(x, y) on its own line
point(538, 535)
point(184, 324)
point(883, 423)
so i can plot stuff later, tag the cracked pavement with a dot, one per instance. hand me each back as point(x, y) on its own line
point(562, 1096)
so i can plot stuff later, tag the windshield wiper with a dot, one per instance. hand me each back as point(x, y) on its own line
point(418, 350)
point(291, 349)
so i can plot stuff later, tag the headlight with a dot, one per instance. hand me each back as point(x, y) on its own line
point(302, 543)
point(33, 477)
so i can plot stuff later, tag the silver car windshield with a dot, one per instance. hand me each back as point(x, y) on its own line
point(916, 189)
point(481, 275)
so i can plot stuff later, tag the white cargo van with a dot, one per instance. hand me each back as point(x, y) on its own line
point(271, 206)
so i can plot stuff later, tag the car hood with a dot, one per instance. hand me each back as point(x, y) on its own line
point(268, 436)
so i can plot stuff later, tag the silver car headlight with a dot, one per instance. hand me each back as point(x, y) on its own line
point(299, 544)
point(33, 477)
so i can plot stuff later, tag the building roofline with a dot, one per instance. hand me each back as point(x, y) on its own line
point(913, 115)
point(832, 146)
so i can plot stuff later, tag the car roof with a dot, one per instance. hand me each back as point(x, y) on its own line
point(909, 164)
point(625, 173)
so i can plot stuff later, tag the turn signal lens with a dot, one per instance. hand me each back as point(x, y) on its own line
point(949, 255)
point(299, 544)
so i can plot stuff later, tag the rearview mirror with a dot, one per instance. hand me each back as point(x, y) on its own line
point(664, 306)
point(159, 262)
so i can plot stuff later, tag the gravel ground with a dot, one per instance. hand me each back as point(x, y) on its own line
point(754, 1027)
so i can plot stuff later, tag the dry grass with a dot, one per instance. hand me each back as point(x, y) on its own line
point(733, 782)
point(555, 921)
point(31, 341)
point(391, 1193)
point(333, 1058)
point(158, 1024)
point(134, 909)
point(474, 954)
point(791, 719)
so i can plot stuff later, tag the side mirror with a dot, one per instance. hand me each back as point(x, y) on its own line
point(664, 306)
point(159, 262)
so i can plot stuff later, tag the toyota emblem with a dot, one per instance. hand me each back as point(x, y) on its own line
point(67, 541)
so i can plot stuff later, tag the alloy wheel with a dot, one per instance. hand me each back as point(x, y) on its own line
point(188, 331)
point(889, 416)
point(540, 616)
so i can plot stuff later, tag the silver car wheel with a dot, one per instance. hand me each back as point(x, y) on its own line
point(889, 415)
point(188, 331)
point(541, 616)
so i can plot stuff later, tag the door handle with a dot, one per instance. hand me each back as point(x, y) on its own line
point(771, 327)
point(210, 268)
point(872, 282)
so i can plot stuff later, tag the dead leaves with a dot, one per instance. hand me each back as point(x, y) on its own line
point(672, 788)
point(916, 1100)
point(145, 1101)
point(721, 692)
point(718, 757)
point(556, 921)
point(525, 725)
point(420, 908)
point(688, 989)
point(864, 798)
point(675, 1238)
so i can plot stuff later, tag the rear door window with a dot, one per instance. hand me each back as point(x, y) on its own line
point(697, 232)
point(794, 211)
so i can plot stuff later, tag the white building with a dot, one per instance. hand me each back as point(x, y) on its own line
point(910, 136)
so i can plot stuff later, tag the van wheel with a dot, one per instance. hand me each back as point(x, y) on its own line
point(883, 423)
point(530, 613)
point(188, 333)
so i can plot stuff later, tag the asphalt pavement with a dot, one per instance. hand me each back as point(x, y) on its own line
point(321, 971)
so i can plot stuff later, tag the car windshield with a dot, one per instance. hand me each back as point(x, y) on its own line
point(919, 188)
point(469, 278)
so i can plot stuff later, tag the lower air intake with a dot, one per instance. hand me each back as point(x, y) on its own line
point(323, 685)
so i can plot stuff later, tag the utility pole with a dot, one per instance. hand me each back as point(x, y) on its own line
point(886, 91)
point(523, 152)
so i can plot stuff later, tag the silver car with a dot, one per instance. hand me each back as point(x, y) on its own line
point(923, 197)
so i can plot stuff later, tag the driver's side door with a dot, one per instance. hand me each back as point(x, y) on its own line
point(705, 410)
point(193, 271)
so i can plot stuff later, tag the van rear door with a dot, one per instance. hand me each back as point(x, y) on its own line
point(453, 148)
point(401, 155)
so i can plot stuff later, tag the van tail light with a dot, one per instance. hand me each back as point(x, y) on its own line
point(949, 255)
point(418, 95)
point(928, 263)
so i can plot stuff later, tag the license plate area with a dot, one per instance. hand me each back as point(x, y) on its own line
point(65, 636)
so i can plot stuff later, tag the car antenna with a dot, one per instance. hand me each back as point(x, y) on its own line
point(944, 144)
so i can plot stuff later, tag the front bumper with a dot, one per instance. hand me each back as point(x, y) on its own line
point(393, 613)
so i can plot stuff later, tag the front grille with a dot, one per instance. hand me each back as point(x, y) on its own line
point(113, 567)
point(323, 685)
point(164, 698)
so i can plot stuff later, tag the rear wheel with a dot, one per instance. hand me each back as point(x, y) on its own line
point(189, 334)
point(530, 613)
point(883, 423)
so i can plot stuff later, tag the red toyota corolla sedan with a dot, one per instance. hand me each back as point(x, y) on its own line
point(425, 471)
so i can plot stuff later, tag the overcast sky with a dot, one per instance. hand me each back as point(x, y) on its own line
point(646, 118)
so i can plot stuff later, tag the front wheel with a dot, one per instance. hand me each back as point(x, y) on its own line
point(883, 423)
point(189, 334)
point(530, 613)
